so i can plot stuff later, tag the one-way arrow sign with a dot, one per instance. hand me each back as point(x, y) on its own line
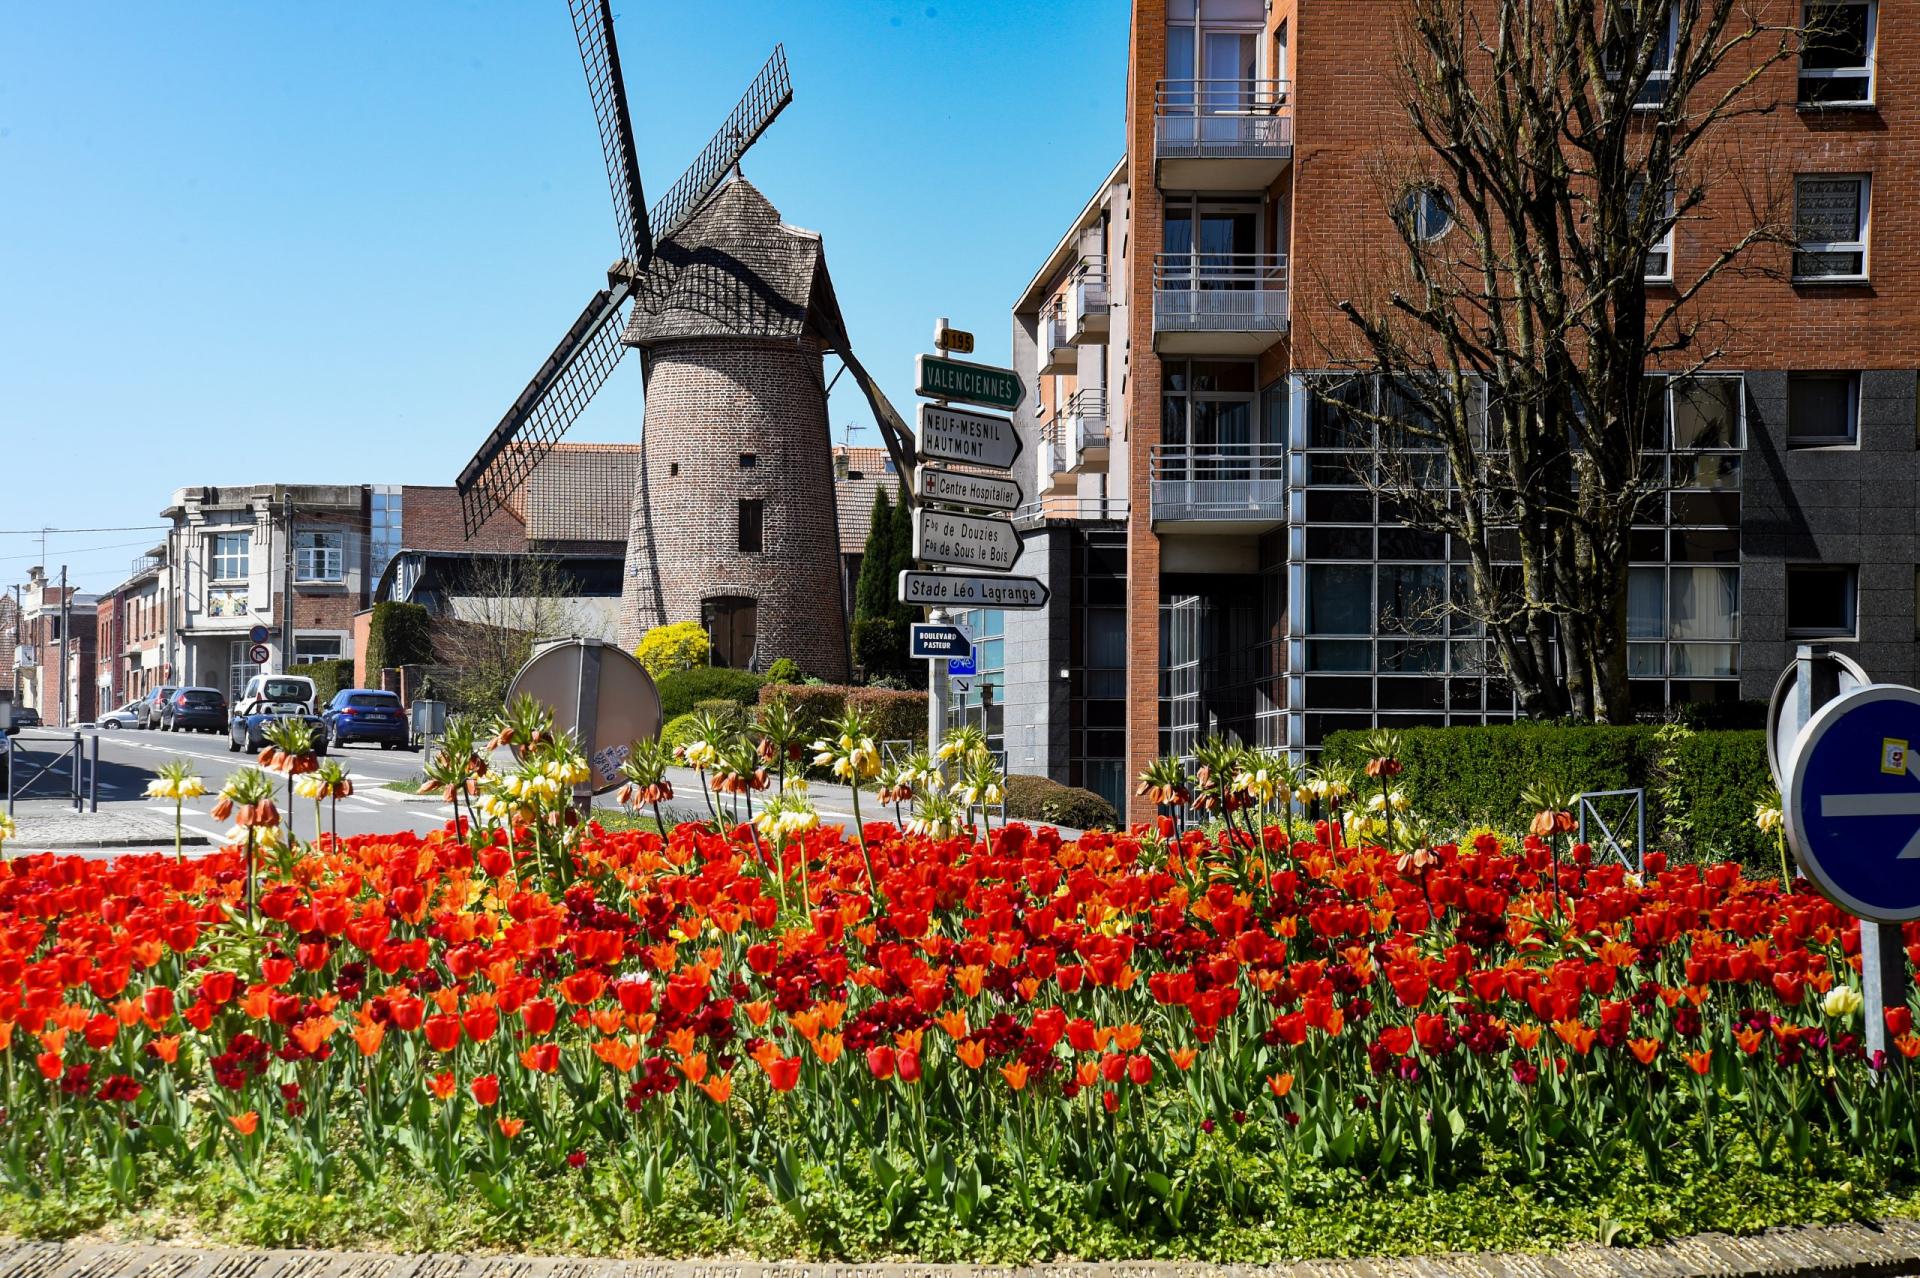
point(972, 590)
point(953, 434)
point(966, 541)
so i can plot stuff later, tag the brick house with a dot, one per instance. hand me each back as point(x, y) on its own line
point(132, 633)
point(55, 659)
point(1195, 294)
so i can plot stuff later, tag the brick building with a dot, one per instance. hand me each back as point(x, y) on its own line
point(132, 633)
point(1174, 332)
point(55, 657)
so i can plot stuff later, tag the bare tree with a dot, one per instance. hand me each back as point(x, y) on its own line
point(1523, 348)
point(498, 610)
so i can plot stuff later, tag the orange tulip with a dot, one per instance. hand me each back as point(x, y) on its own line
point(953, 1022)
point(1644, 1049)
point(718, 1089)
point(1127, 1037)
point(680, 1043)
point(1279, 1085)
point(443, 1085)
point(1015, 1074)
point(1909, 1044)
point(758, 1012)
point(622, 1056)
point(970, 979)
point(909, 1040)
point(694, 1067)
point(1749, 1039)
point(165, 1046)
point(828, 1048)
point(1527, 1036)
point(369, 1037)
point(973, 1053)
point(246, 1124)
point(1183, 1057)
point(510, 1127)
point(1700, 1062)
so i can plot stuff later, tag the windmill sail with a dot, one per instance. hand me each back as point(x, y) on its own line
point(544, 411)
point(764, 99)
point(593, 28)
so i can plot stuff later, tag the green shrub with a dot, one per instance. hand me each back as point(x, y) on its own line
point(1046, 800)
point(1700, 786)
point(879, 646)
point(398, 634)
point(678, 732)
point(896, 715)
point(1715, 716)
point(329, 677)
point(683, 645)
point(681, 690)
point(783, 670)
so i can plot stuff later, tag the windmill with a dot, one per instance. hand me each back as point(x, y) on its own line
point(733, 521)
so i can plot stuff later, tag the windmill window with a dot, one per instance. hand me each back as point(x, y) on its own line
point(749, 460)
point(673, 470)
point(752, 516)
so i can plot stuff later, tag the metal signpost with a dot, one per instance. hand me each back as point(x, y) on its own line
point(1852, 816)
point(955, 379)
point(963, 488)
point(972, 590)
point(978, 439)
point(931, 641)
point(965, 541)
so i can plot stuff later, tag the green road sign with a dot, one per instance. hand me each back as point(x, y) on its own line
point(969, 383)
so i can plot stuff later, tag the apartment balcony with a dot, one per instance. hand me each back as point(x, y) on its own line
point(1070, 507)
point(1224, 488)
point(1084, 430)
point(1051, 468)
point(147, 563)
point(1055, 353)
point(1221, 135)
point(1218, 303)
point(1088, 302)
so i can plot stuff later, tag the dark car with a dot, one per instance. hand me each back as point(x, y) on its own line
point(147, 709)
point(248, 731)
point(194, 709)
point(366, 714)
point(25, 717)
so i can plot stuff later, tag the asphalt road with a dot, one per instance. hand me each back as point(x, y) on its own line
point(130, 757)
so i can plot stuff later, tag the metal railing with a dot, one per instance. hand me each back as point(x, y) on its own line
point(1088, 288)
point(83, 768)
point(1056, 353)
point(146, 562)
point(1222, 117)
point(1219, 292)
point(1070, 508)
point(1086, 415)
point(1219, 481)
point(1629, 808)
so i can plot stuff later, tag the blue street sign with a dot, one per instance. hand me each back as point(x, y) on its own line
point(961, 667)
point(926, 641)
point(257, 635)
point(1853, 802)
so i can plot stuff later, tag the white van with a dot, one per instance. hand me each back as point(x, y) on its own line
point(264, 690)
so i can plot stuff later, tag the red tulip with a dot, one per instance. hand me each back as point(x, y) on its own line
point(443, 1032)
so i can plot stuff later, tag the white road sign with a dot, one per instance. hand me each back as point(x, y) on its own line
point(972, 590)
point(954, 434)
point(959, 488)
point(966, 541)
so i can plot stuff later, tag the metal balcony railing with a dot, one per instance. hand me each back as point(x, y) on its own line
point(1091, 300)
point(1228, 482)
point(1056, 353)
point(146, 563)
point(1223, 118)
point(1070, 507)
point(1086, 418)
point(1219, 292)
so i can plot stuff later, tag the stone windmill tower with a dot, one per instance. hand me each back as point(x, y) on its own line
point(733, 521)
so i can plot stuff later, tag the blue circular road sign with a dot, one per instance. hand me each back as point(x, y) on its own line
point(1853, 802)
point(257, 635)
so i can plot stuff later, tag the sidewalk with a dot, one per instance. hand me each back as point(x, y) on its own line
point(1837, 1250)
point(51, 825)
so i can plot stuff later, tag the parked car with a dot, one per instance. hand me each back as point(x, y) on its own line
point(127, 716)
point(148, 710)
point(248, 730)
point(366, 714)
point(194, 709)
point(25, 717)
point(266, 690)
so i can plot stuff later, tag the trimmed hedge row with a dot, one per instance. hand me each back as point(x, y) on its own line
point(329, 677)
point(896, 715)
point(1045, 800)
point(682, 690)
point(1701, 786)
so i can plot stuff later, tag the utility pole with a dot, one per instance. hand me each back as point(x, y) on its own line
point(286, 594)
point(66, 628)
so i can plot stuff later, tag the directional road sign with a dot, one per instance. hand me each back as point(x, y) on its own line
point(972, 590)
point(961, 667)
point(965, 541)
point(959, 488)
point(939, 378)
point(954, 434)
point(926, 641)
point(1853, 802)
point(260, 654)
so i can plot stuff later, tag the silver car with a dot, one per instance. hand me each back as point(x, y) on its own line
point(127, 716)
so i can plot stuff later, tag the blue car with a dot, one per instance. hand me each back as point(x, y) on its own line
point(366, 714)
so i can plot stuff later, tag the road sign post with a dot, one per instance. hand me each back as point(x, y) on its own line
point(964, 488)
point(1852, 814)
point(972, 590)
point(937, 641)
point(965, 541)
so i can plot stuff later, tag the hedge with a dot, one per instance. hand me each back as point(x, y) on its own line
point(329, 677)
point(398, 634)
point(1046, 800)
point(896, 715)
point(678, 732)
point(1701, 786)
point(684, 645)
point(681, 690)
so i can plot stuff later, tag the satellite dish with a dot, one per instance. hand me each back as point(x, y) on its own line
point(599, 692)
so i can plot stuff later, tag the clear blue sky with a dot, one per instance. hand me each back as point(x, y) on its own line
point(329, 241)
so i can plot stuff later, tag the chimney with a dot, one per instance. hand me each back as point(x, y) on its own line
point(842, 462)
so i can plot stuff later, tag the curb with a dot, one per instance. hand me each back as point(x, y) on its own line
point(188, 840)
point(1811, 1251)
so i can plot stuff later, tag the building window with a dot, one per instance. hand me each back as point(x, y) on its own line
point(319, 556)
point(1704, 620)
point(311, 648)
point(749, 460)
point(751, 519)
point(1426, 213)
point(1617, 55)
point(1822, 601)
point(1659, 259)
point(229, 556)
point(387, 528)
point(1830, 216)
point(226, 601)
point(1708, 412)
point(240, 668)
point(1823, 409)
point(1836, 62)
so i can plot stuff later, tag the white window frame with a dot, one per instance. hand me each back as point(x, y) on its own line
point(1653, 94)
point(1859, 245)
point(1869, 64)
point(219, 559)
point(1849, 440)
point(1665, 246)
point(1852, 575)
point(1418, 203)
point(334, 637)
point(319, 555)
